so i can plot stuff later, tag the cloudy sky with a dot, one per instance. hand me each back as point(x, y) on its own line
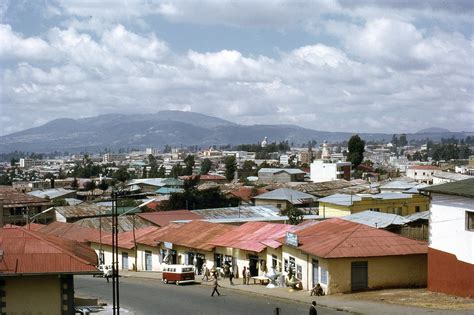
point(360, 66)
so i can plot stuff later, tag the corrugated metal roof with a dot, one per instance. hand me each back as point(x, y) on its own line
point(376, 219)
point(347, 200)
point(162, 218)
point(416, 189)
point(425, 215)
point(125, 223)
point(51, 193)
point(292, 171)
point(70, 231)
point(125, 239)
point(253, 236)
point(399, 185)
point(195, 234)
point(338, 238)
point(31, 252)
point(84, 209)
point(451, 176)
point(290, 195)
point(266, 211)
point(158, 182)
point(15, 199)
point(463, 188)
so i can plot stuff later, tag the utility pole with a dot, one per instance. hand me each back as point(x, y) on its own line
point(115, 274)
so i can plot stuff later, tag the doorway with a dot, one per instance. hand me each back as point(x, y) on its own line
point(359, 276)
point(148, 261)
point(315, 264)
point(124, 261)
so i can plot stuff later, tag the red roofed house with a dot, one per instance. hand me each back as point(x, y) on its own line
point(70, 231)
point(179, 244)
point(246, 194)
point(422, 173)
point(345, 256)
point(40, 267)
point(253, 244)
point(162, 218)
point(127, 248)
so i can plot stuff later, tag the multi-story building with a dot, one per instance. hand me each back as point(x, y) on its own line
point(450, 251)
point(422, 173)
point(325, 171)
point(28, 163)
point(18, 208)
point(113, 157)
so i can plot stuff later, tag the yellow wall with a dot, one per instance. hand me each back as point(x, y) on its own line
point(283, 203)
point(383, 272)
point(408, 206)
point(155, 257)
point(33, 295)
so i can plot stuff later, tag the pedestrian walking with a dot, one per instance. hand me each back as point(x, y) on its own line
point(216, 285)
point(205, 273)
point(248, 275)
point(231, 277)
point(244, 275)
point(312, 309)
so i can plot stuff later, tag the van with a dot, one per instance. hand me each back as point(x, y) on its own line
point(178, 274)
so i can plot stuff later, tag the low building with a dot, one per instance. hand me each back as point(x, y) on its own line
point(280, 175)
point(283, 198)
point(18, 208)
point(325, 170)
point(397, 203)
point(440, 177)
point(253, 245)
point(53, 193)
point(422, 173)
point(450, 251)
point(344, 256)
point(37, 271)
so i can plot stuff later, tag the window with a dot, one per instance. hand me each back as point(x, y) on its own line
point(415, 174)
point(286, 265)
point(397, 210)
point(469, 221)
point(299, 272)
point(417, 208)
point(274, 262)
point(324, 275)
point(279, 205)
point(292, 263)
point(375, 209)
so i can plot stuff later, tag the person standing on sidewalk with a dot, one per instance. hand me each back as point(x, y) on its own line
point(216, 285)
point(312, 309)
point(244, 275)
point(248, 275)
point(231, 277)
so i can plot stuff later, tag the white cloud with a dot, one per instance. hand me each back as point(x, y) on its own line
point(14, 45)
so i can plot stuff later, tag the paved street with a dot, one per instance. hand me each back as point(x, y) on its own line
point(150, 296)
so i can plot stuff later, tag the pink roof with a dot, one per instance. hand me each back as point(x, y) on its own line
point(196, 234)
point(253, 236)
point(152, 238)
point(70, 231)
point(31, 252)
point(337, 238)
point(162, 218)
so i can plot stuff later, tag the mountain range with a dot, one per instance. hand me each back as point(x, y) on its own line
point(175, 128)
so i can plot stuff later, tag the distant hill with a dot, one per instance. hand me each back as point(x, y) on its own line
point(174, 128)
point(434, 130)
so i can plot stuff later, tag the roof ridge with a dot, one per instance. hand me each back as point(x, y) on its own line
point(32, 233)
point(358, 226)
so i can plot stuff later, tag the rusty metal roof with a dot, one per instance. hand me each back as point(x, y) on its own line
point(195, 234)
point(84, 209)
point(152, 238)
point(253, 236)
point(70, 231)
point(125, 223)
point(337, 238)
point(125, 239)
point(31, 252)
point(17, 199)
point(162, 218)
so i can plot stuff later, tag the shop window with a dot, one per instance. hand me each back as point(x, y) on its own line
point(274, 262)
point(299, 272)
point(324, 275)
point(469, 221)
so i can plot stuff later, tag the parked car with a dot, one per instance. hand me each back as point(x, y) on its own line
point(178, 274)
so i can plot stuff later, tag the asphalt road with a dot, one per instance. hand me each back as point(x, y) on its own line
point(149, 296)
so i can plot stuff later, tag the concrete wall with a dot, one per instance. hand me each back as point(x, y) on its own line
point(108, 255)
point(383, 272)
point(43, 292)
point(280, 204)
point(155, 257)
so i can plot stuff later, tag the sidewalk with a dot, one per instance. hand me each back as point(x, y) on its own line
point(342, 302)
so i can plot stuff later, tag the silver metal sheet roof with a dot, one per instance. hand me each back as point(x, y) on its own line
point(290, 195)
point(376, 219)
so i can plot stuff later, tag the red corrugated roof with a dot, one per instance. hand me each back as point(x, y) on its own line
point(150, 239)
point(31, 252)
point(195, 234)
point(70, 231)
point(162, 218)
point(337, 238)
point(245, 193)
point(34, 226)
point(253, 236)
point(125, 239)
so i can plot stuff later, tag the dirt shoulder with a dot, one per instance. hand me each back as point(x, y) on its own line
point(414, 297)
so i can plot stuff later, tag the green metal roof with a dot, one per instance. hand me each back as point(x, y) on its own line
point(463, 188)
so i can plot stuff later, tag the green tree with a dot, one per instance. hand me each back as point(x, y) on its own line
point(295, 215)
point(103, 185)
point(206, 165)
point(176, 171)
point(122, 174)
point(90, 185)
point(230, 167)
point(60, 202)
point(161, 172)
point(189, 165)
point(356, 148)
point(402, 140)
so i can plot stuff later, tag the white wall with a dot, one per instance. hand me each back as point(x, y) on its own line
point(323, 172)
point(448, 226)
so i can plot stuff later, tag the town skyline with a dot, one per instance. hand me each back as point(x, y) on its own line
point(366, 67)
